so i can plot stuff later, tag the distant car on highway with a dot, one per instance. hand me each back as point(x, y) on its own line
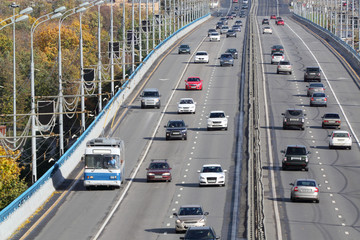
point(212, 174)
point(265, 21)
point(267, 30)
point(304, 189)
point(284, 67)
point(219, 24)
point(158, 170)
point(211, 30)
point(184, 48)
point(187, 105)
point(340, 139)
point(331, 120)
point(214, 36)
point(295, 156)
point(193, 83)
point(233, 52)
point(224, 29)
point(217, 120)
point(238, 22)
point(189, 216)
point(201, 57)
point(318, 99)
point(280, 22)
point(226, 59)
point(273, 16)
point(276, 57)
point(236, 28)
point(224, 20)
point(312, 74)
point(205, 232)
point(315, 87)
point(294, 118)
point(176, 129)
point(231, 33)
point(150, 97)
point(277, 48)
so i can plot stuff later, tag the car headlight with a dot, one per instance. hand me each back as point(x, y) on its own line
point(142, 100)
point(202, 178)
point(178, 221)
point(183, 131)
point(166, 174)
point(156, 100)
point(150, 174)
point(202, 220)
point(221, 177)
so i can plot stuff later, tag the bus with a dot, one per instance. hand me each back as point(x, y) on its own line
point(104, 163)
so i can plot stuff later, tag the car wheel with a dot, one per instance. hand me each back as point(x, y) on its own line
point(185, 138)
point(306, 169)
point(350, 148)
point(292, 198)
point(302, 128)
point(142, 106)
point(226, 129)
point(322, 126)
point(284, 127)
point(325, 105)
point(317, 200)
point(232, 65)
point(277, 72)
point(209, 129)
point(167, 138)
point(290, 73)
point(283, 167)
point(330, 147)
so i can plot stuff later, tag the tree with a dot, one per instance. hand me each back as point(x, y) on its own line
point(11, 186)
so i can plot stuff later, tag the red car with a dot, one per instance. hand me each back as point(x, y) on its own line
point(193, 83)
point(280, 22)
point(158, 170)
point(273, 17)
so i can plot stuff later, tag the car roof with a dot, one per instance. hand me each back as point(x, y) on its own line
point(339, 131)
point(296, 146)
point(201, 52)
point(158, 160)
point(151, 90)
point(211, 165)
point(294, 109)
point(186, 99)
point(201, 228)
point(305, 179)
point(217, 111)
point(189, 206)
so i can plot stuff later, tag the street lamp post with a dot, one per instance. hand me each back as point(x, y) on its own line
point(55, 14)
point(124, 42)
point(99, 56)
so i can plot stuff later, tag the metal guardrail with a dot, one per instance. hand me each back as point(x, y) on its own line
point(18, 202)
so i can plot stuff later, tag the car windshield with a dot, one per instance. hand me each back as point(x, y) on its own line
point(212, 169)
point(174, 124)
point(201, 53)
point(226, 56)
point(331, 115)
point(217, 115)
point(306, 183)
point(312, 85)
point(184, 46)
point(190, 211)
point(295, 112)
point(319, 95)
point(230, 31)
point(159, 165)
point(341, 135)
point(214, 33)
point(199, 234)
point(231, 50)
point(151, 94)
point(313, 69)
point(295, 151)
point(277, 54)
point(186, 101)
point(193, 79)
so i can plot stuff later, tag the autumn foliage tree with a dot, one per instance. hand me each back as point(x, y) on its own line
point(11, 186)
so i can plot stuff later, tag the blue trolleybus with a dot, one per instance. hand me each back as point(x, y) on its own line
point(104, 163)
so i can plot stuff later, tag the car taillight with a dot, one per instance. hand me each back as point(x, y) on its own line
point(325, 99)
point(272, 56)
point(316, 190)
point(318, 74)
point(296, 189)
point(312, 99)
point(326, 121)
point(310, 88)
point(338, 122)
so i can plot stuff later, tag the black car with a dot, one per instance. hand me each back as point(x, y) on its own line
point(295, 156)
point(226, 59)
point(294, 118)
point(277, 48)
point(176, 129)
point(184, 48)
point(233, 52)
point(312, 74)
point(206, 232)
point(219, 25)
point(224, 20)
point(265, 21)
point(230, 33)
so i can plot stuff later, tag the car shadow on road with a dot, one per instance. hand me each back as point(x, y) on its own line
point(200, 129)
point(137, 180)
point(155, 138)
point(280, 199)
point(162, 230)
point(188, 185)
point(273, 168)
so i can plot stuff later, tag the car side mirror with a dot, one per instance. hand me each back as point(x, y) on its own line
point(198, 171)
point(283, 114)
point(308, 152)
point(304, 114)
point(224, 171)
point(175, 214)
point(164, 126)
point(194, 102)
point(217, 237)
point(227, 116)
point(147, 168)
point(206, 213)
point(282, 151)
point(141, 95)
point(319, 185)
point(292, 184)
point(186, 125)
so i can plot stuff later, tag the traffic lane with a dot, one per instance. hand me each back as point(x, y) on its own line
point(316, 114)
point(154, 147)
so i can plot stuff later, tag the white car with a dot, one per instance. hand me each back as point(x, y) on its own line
point(201, 57)
point(214, 36)
point(340, 139)
point(276, 57)
point(186, 105)
point(267, 30)
point(217, 120)
point(212, 174)
point(224, 29)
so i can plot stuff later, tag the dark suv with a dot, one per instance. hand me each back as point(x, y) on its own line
point(294, 118)
point(295, 156)
point(184, 48)
point(176, 129)
point(312, 74)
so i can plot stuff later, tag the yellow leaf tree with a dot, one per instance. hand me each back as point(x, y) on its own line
point(11, 186)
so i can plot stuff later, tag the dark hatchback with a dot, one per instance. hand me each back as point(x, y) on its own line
point(233, 52)
point(312, 74)
point(277, 48)
point(176, 129)
point(230, 33)
point(226, 59)
point(158, 170)
point(219, 25)
point(295, 156)
point(184, 48)
point(265, 21)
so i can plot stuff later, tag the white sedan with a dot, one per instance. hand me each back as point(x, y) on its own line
point(214, 36)
point(267, 30)
point(212, 174)
point(217, 120)
point(186, 105)
point(201, 57)
point(340, 139)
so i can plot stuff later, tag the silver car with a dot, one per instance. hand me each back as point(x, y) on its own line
point(276, 57)
point(315, 87)
point(224, 29)
point(189, 216)
point(318, 99)
point(305, 189)
point(284, 66)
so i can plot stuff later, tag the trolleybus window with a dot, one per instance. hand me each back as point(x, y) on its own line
point(102, 161)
